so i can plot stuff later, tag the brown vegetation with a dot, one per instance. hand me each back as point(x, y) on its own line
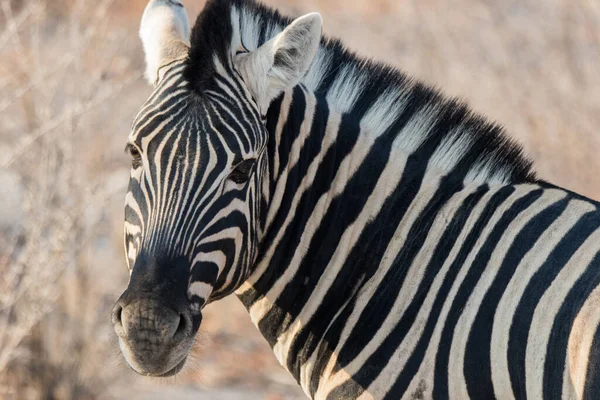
point(70, 85)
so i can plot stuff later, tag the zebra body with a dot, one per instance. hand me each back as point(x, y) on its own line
point(387, 242)
point(418, 265)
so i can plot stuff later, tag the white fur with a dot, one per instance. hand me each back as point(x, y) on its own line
point(451, 149)
point(249, 29)
point(165, 34)
point(316, 73)
point(346, 89)
point(383, 112)
point(266, 80)
point(200, 289)
point(489, 171)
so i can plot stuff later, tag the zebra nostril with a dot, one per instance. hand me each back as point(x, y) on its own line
point(117, 315)
point(182, 328)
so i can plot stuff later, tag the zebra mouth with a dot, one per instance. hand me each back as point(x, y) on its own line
point(173, 371)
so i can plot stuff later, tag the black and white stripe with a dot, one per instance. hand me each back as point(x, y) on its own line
point(389, 243)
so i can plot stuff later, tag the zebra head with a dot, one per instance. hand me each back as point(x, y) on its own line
point(199, 177)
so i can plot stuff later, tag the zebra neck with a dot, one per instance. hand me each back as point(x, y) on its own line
point(337, 194)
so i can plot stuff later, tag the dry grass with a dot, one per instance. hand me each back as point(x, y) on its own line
point(70, 85)
point(61, 69)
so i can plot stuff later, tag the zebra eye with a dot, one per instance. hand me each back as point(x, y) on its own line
point(136, 156)
point(241, 172)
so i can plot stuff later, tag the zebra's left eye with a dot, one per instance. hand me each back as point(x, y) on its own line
point(241, 172)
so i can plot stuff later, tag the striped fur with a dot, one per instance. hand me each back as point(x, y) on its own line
point(389, 242)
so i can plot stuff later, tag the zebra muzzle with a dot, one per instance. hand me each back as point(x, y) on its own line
point(155, 339)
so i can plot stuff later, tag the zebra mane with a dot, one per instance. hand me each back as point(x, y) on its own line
point(377, 92)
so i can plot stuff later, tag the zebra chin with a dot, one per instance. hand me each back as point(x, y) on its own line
point(158, 370)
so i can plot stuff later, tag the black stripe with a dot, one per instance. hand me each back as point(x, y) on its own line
point(204, 272)
point(342, 211)
point(199, 144)
point(592, 376)
point(366, 254)
point(308, 153)
point(339, 215)
point(440, 388)
point(351, 349)
point(273, 116)
point(200, 204)
point(178, 178)
point(416, 358)
point(556, 350)
point(244, 116)
point(273, 323)
point(537, 286)
point(162, 88)
point(382, 303)
point(477, 365)
point(291, 130)
point(166, 109)
point(187, 151)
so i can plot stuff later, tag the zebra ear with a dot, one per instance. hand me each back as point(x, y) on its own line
point(281, 63)
point(165, 34)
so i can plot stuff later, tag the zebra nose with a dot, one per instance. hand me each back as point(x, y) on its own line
point(155, 339)
point(151, 322)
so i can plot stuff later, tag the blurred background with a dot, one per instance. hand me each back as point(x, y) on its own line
point(70, 85)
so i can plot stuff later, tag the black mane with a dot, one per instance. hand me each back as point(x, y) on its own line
point(494, 156)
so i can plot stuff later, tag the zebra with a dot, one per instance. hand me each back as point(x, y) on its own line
point(387, 241)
